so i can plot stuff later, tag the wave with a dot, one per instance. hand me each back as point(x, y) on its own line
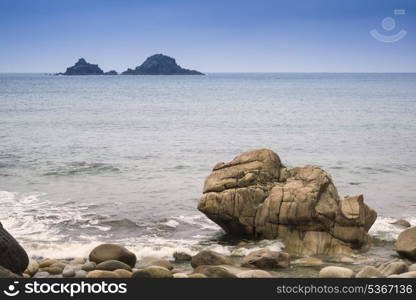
point(81, 167)
point(383, 230)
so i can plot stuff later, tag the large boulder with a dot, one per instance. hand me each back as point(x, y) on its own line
point(12, 256)
point(266, 259)
point(106, 252)
point(256, 196)
point(406, 243)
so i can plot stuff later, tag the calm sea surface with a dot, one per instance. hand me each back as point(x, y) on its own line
point(88, 159)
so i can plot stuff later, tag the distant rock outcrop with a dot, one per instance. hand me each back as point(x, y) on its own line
point(112, 72)
point(255, 195)
point(160, 64)
point(82, 67)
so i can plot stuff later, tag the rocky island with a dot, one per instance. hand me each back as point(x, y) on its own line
point(160, 64)
point(82, 67)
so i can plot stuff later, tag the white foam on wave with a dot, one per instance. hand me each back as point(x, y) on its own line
point(28, 217)
point(382, 228)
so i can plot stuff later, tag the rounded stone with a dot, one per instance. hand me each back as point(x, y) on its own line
point(111, 265)
point(336, 272)
point(254, 274)
point(153, 272)
point(102, 274)
point(106, 252)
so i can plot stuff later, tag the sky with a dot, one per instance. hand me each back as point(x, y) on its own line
point(209, 36)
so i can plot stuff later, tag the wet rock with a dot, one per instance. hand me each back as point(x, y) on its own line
point(412, 267)
point(123, 273)
point(105, 252)
point(336, 272)
point(208, 257)
point(180, 275)
point(401, 223)
point(5, 273)
point(153, 272)
point(89, 266)
point(102, 274)
point(12, 256)
point(369, 272)
point(56, 268)
point(32, 267)
point(111, 265)
point(393, 267)
point(404, 275)
point(181, 256)
point(197, 275)
point(255, 195)
point(70, 270)
point(80, 274)
point(266, 259)
point(254, 274)
point(48, 262)
point(153, 261)
point(307, 262)
point(77, 261)
point(406, 243)
point(217, 271)
point(41, 274)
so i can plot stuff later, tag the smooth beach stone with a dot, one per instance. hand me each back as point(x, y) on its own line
point(89, 266)
point(32, 267)
point(153, 272)
point(102, 274)
point(406, 243)
point(123, 273)
point(105, 252)
point(41, 274)
point(266, 259)
point(148, 261)
point(181, 256)
point(77, 261)
point(70, 270)
point(254, 274)
point(336, 272)
point(307, 262)
point(404, 275)
point(5, 273)
point(48, 262)
point(401, 223)
point(26, 275)
point(197, 275)
point(55, 268)
point(369, 272)
point(412, 267)
point(208, 257)
point(111, 265)
point(219, 271)
point(173, 271)
point(180, 275)
point(393, 267)
point(80, 274)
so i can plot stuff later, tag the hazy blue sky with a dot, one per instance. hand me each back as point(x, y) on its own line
point(215, 35)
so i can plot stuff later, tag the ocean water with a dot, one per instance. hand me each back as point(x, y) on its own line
point(91, 159)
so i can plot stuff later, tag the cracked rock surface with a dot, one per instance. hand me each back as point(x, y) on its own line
point(256, 196)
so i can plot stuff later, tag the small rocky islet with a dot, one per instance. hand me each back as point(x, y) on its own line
point(254, 196)
point(157, 64)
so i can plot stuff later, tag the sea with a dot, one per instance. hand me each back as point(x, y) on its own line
point(86, 160)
